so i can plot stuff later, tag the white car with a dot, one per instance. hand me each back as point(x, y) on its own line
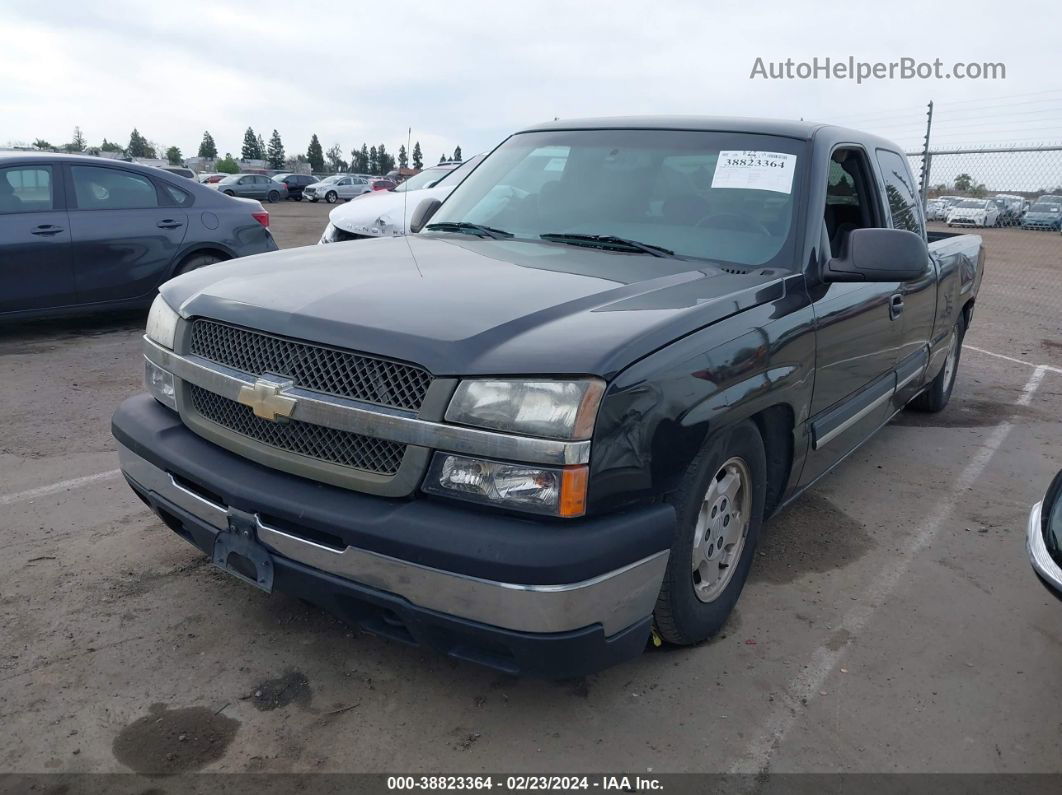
point(386, 213)
point(338, 186)
point(973, 212)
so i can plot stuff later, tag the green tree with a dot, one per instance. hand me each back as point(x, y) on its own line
point(138, 145)
point(963, 182)
point(41, 144)
point(110, 146)
point(207, 147)
point(374, 161)
point(363, 159)
point(403, 157)
point(315, 154)
point(457, 154)
point(418, 156)
point(385, 162)
point(261, 147)
point(275, 151)
point(249, 150)
point(442, 158)
point(227, 165)
point(173, 156)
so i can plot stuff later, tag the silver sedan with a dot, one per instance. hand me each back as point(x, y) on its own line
point(339, 186)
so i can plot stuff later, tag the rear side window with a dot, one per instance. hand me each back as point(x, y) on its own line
point(26, 189)
point(177, 196)
point(112, 189)
point(901, 192)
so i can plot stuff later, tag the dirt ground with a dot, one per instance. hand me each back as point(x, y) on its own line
point(891, 623)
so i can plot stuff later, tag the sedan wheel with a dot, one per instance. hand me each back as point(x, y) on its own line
point(273, 197)
point(330, 197)
point(229, 193)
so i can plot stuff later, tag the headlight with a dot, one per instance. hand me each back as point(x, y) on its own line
point(159, 383)
point(162, 323)
point(525, 487)
point(329, 235)
point(548, 409)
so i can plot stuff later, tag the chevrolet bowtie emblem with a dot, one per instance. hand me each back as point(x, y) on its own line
point(265, 400)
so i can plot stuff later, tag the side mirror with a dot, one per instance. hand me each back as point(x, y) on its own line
point(425, 210)
point(1044, 537)
point(879, 255)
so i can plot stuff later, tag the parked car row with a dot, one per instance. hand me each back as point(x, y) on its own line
point(999, 210)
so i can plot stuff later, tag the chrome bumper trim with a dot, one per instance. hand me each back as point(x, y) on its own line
point(616, 599)
point(367, 420)
point(1040, 558)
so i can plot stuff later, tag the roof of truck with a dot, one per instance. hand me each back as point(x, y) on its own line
point(790, 129)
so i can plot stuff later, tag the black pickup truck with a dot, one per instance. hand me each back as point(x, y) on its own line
point(554, 419)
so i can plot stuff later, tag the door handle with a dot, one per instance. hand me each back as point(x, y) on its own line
point(46, 230)
point(895, 306)
point(168, 224)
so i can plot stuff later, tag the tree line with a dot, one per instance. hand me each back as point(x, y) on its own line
point(376, 160)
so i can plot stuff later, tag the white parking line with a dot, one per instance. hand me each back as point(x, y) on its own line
point(805, 686)
point(55, 488)
point(1046, 367)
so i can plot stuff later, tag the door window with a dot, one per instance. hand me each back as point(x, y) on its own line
point(901, 192)
point(849, 202)
point(26, 189)
point(112, 189)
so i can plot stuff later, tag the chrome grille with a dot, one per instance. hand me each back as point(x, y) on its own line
point(316, 441)
point(312, 366)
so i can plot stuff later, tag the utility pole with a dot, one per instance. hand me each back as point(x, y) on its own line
point(927, 158)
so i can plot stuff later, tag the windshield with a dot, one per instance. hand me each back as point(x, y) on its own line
point(425, 179)
point(230, 179)
point(973, 204)
point(1044, 208)
point(332, 178)
point(726, 197)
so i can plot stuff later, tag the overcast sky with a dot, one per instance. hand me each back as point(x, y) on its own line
point(469, 73)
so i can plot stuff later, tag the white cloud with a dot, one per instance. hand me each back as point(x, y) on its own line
point(469, 72)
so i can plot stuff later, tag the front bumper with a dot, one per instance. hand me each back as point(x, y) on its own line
point(1043, 564)
point(524, 596)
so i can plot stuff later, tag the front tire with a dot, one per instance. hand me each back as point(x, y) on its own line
point(938, 393)
point(720, 511)
point(195, 262)
point(330, 197)
point(229, 193)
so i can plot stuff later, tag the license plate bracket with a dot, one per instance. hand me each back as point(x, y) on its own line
point(238, 551)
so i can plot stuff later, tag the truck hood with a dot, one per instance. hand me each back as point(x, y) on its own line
point(461, 305)
point(383, 212)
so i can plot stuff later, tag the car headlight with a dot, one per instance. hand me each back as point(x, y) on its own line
point(549, 409)
point(162, 323)
point(526, 487)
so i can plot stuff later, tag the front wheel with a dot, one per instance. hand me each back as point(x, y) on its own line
point(719, 508)
point(297, 198)
point(229, 193)
point(273, 197)
point(331, 197)
point(938, 393)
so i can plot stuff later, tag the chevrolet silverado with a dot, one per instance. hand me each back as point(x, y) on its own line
point(552, 422)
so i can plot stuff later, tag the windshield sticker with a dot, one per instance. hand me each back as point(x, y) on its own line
point(755, 171)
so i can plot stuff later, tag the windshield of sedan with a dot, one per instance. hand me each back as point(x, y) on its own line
point(1044, 208)
point(973, 204)
point(332, 178)
point(725, 197)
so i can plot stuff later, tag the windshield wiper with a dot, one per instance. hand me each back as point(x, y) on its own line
point(464, 226)
point(609, 241)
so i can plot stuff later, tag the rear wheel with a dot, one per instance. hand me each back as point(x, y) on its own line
point(938, 393)
point(720, 511)
point(331, 197)
point(297, 198)
point(196, 261)
point(273, 197)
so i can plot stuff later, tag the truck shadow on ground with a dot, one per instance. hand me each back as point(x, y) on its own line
point(40, 336)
